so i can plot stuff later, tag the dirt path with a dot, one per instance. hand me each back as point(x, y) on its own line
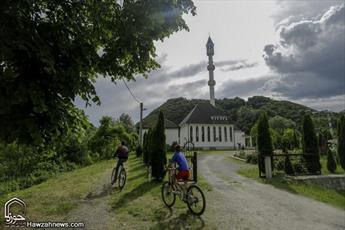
point(94, 210)
point(241, 203)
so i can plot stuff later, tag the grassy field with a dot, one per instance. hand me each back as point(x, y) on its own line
point(138, 204)
point(324, 171)
point(51, 200)
point(329, 196)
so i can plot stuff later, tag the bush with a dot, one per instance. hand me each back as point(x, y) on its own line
point(288, 166)
point(331, 163)
point(279, 164)
point(299, 167)
point(310, 146)
point(341, 141)
point(252, 158)
point(158, 148)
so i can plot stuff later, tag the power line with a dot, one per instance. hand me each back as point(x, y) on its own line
point(130, 91)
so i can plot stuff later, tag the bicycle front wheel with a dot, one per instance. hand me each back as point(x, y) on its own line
point(196, 200)
point(168, 195)
point(122, 178)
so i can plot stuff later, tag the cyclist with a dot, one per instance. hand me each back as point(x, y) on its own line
point(180, 159)
point(122, 153)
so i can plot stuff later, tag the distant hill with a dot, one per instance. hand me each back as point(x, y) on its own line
point(242, 113)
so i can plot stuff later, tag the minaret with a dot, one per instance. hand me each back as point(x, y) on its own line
point(210, 68)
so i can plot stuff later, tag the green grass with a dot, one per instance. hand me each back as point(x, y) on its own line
point(141, 201)
point(51, 200)
point(329, 196)
point(324, 170)
point(138, 204)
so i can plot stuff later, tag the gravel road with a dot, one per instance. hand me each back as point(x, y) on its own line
point(240, 203)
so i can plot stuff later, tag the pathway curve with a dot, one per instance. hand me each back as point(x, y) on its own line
point(241, 203)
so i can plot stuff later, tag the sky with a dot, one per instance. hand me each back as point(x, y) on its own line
point(287, 50)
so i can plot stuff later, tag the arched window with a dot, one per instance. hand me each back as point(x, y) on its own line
point(214, 134)
point(225, 134)
point(208, 134)
point(197, 134)
point(202, 134)
point(220, 133)
point(191, 133)
point(230, 133)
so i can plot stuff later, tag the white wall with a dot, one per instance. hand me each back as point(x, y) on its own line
point(224, 143)
point(240, 138)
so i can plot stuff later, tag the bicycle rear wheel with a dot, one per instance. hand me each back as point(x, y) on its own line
point(167, 194)
point(112, 179)
point(122, 178)
point(196, 200)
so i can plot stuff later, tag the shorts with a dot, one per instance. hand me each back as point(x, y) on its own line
point(182, 175)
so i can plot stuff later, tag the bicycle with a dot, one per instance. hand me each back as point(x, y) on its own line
point(121, 176)
point(192, 195)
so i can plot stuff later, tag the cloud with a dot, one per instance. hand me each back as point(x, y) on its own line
point(309, 58)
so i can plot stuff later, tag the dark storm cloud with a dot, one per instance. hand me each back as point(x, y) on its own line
point(309, 59)
point(245, 88)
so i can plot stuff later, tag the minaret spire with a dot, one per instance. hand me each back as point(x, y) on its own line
point(210, 68)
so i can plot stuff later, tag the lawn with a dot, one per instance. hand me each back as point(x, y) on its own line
point(138, 204)
point(324, 170)
point(329, 196)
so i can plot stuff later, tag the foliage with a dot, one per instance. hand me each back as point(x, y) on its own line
point(242, 113)
point(138, 151)
point(331, 163)
point(146, 140)
point(341, 141)
point(127, 122)
point(52, 51)
point(158, 148)
point(264, 141)
point(279, 124)
point(288, 166)
point(289, 139)
point(310, 146)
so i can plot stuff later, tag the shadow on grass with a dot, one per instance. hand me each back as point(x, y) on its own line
point(185, 220)
point(135, 193)
point(132, 178)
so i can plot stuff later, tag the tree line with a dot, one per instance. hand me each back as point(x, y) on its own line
point(311, 145)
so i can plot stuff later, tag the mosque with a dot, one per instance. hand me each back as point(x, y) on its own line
point(205, 125)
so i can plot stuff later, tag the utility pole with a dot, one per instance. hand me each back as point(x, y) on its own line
point(141, 124)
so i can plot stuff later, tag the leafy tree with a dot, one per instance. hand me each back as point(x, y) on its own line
point(310, 146)
point(52, 51)
point(279, 124)
point(158, 157)
point(127, 122)
point(288, 138)
point(341, 141)
point(296, 142)
point(264, 141)
point(331, 163)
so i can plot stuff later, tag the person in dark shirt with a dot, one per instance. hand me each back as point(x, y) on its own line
point(121, 153)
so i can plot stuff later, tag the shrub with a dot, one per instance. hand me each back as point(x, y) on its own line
point(265, 147)
point(279, 164)
point(299, 167)
point(138, 151)
point(310, 146)
point(341, 141)
point(331, 163)
point(288, 166)
point(158, 148)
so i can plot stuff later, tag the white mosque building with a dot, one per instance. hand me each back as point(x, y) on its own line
point(205, 125)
